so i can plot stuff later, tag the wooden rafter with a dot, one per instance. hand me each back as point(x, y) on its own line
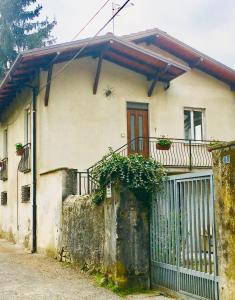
point(156, 79)
point(196, 63)
point(48, 85)
point(98, 71)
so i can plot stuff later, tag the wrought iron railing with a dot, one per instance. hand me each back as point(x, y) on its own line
point(186, 154)
point(86, 184)
point(4, 169)
point(25, 162)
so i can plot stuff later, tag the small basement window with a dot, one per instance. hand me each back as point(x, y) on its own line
point(25, 193)
point(3, 198)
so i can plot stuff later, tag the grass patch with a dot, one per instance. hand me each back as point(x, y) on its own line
point(109, 284)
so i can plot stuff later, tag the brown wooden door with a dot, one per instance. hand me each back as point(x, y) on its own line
point(137, 131)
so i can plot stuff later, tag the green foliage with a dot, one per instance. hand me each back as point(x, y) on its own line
point(140, 175)
point(19, 146)
point(108, 283)
point(215, 143)
point(164, 142)
point(20, 29)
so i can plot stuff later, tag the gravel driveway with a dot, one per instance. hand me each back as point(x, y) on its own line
point(33, 276)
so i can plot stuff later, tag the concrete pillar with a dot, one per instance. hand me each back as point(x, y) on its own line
point(224, 176)
point(69, 182)
point(126, 249)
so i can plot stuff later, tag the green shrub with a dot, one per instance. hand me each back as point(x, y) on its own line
point(139, 174)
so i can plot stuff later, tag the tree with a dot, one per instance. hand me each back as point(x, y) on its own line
point(21, 29)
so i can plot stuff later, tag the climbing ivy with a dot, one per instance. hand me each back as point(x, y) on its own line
point(139, 174)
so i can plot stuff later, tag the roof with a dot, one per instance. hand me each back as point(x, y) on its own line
point(116, 50)
point(124, 51)
point(193, 57)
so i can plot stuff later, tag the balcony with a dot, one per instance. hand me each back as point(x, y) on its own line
point(4, 169)
point(25, 162)
point(186, 154)
point(183, 156)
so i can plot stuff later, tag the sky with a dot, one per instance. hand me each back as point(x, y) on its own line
point(207, 25)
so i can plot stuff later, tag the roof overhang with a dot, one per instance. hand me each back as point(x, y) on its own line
point(194, 58)
point(116, 50)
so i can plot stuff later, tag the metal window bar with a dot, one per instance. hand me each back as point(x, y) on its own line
point(4, 169)
point(25, 161)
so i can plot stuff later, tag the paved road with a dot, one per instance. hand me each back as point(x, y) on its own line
point(33, 276)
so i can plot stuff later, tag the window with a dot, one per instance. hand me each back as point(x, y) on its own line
point(193, 124)
point(5, 143)
point(25, 193)
point(27, 127)
point(3, 198)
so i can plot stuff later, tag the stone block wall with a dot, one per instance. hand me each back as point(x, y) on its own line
point(82, 233)
point(112, 238)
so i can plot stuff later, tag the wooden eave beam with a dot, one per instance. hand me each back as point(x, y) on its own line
point(232, 87)
point(48, 85)
point(98, 71)
point(196, 63)
point(134, 69)
point(156, 79)
point(134, 59)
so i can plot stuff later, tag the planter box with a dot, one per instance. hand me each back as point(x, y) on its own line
point(160, 147)
point(20, 152)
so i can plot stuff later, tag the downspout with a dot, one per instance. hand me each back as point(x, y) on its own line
point(34, 166)
point(34, 170)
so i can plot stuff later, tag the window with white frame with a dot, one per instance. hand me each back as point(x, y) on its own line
point(193, 124)
point(27, 126)
point(5, 143)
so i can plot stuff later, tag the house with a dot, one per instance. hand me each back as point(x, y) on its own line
point(69, 103)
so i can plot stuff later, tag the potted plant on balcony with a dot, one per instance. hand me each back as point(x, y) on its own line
point(213, 144)
point(19, 149)
point(163, 143)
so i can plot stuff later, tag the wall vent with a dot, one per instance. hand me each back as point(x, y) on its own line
point(25, 193)
point(3, 198)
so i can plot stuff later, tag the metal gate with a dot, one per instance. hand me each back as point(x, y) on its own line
point(183, 239)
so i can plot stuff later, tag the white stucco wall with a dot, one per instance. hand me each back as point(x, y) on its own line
point(15, 212)
point(81, 126)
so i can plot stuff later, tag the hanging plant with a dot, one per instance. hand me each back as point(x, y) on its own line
point(109, 92)
point(19, 149)
point(163, 143)
point(140, 175)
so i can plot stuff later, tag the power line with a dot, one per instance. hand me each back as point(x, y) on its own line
point(85, 26)
point(92, 18)
point(85, 46)
point(79, 52)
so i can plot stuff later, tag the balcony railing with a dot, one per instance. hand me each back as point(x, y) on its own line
point(24, 164)
point(183, 154)
point(4, 169)
point(86, 185)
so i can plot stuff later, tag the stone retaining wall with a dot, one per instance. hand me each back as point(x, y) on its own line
point(82, 233)
point(112, 238)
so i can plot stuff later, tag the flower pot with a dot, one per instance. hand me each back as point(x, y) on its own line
point(20, 151)
point(161, 147)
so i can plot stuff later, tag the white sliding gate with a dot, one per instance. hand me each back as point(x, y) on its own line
point(183, 239)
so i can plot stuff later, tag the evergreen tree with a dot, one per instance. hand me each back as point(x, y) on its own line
point(21, 29)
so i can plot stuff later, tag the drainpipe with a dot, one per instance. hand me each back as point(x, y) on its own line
point(34, 166)
point(34, 170)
